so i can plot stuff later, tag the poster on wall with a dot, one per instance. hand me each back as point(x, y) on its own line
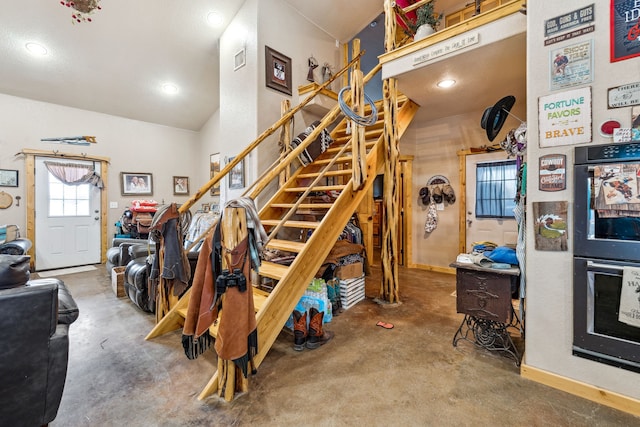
point(625, 29)
point(571, 65)
point(550, 226)
point(552, 172)
point(565, 118)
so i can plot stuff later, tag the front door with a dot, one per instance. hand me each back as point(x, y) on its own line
point(499, 231)
point(67, 220)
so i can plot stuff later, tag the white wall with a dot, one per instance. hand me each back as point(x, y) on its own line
point(549, 274)
point(132, 146)
point(435, 145)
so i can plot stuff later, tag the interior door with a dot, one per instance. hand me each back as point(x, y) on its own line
point(67, 220)
point(499, 231)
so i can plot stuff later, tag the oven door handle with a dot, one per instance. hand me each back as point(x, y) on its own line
point(607, 266)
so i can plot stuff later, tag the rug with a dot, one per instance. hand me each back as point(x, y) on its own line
point(63, 271)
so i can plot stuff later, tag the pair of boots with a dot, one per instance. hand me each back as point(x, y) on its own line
point(314, 336)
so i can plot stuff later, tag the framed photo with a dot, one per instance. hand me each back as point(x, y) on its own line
point(136, 184)
point(180, 185)
point(206, 207)
point(236, 176)
point(277, 71)
point(8, 178)
point(214, 168)
point(239, 59)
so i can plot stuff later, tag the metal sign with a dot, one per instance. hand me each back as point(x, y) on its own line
point(565, 118)
point(569, 20)
point(552, 172)
point(624, 96)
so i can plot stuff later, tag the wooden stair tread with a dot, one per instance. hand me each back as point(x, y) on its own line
point(316, 188)
point(294, 224)
point(286, 245)
point(272, 270)
point(303, 205)
point(338, 172)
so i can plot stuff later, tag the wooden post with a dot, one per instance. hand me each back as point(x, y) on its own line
point(285, 142)
point(389, 258)
point(233, 231)
point(358, 145)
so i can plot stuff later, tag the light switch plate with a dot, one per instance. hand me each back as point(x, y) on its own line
point(113, 205)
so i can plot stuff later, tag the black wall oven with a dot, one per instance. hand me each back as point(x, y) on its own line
point(606, 240)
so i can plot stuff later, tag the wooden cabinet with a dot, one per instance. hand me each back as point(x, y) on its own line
point(484, 294)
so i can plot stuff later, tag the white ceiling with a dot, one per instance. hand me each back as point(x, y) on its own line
point(117, 63)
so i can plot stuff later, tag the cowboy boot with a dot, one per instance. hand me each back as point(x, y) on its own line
point(299, 330)
point(317, 336)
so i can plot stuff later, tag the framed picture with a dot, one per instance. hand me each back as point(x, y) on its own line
point(277, 71)
point(236, 176)
point(180, 185)
point(8, 178)
point(136, 184)
point(206, 207)
point(214, 168)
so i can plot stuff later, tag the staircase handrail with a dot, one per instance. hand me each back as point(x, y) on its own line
point(252, 146)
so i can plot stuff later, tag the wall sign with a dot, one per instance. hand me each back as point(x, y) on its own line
point(565, 118)
point(571, 65)
point(625, 29)
point(448, 47)
point(550, 228)
point(552, 172)
point(624, 96)
point(569, 20)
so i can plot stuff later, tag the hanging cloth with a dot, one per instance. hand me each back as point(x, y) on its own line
point(432, 217)
point(75, 173)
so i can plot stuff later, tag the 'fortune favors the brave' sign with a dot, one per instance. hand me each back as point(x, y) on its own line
point(565, 118)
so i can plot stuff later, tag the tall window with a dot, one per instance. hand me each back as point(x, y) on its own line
point(496, 186)
point(67, 200)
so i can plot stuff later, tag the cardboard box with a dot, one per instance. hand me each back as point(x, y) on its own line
point(117, 281)
point(350, 271)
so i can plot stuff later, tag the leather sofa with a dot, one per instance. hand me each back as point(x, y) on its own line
point(34, 343)
point(118, 254)
point(138, 270)
point(15, 247)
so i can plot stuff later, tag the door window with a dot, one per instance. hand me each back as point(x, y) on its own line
point(496, 187)
point(67, 200)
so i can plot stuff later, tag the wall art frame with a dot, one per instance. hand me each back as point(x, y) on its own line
point(214, 169)
point(136, 184)
point(236, 175)
point(8, 178)
point(277, 71)
point(180, 185)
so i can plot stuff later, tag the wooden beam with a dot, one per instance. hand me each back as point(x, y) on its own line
point(389, 252)
point(358, 143)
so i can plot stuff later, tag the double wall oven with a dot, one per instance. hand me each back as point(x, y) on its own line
point(606, 244)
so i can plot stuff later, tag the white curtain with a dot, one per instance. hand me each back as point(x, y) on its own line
point(75, 173)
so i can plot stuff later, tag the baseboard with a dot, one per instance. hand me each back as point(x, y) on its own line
point(586, 391)
point(446, 270)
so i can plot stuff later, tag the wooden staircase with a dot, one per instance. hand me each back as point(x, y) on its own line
point(294, 212)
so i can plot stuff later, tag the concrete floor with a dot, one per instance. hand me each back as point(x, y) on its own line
point(410, 375)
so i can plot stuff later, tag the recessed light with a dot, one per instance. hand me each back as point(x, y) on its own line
point(446, 83)
point(214, 19)
point(170, 88)
point(36, 49)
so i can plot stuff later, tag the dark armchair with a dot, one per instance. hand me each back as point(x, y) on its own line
point(34, 344)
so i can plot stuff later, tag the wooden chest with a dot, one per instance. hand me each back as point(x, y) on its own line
point(484, 293)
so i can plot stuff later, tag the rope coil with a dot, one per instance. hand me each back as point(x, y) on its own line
point(363, 121)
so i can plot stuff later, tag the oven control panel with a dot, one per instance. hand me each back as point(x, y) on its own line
point(608, 153)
